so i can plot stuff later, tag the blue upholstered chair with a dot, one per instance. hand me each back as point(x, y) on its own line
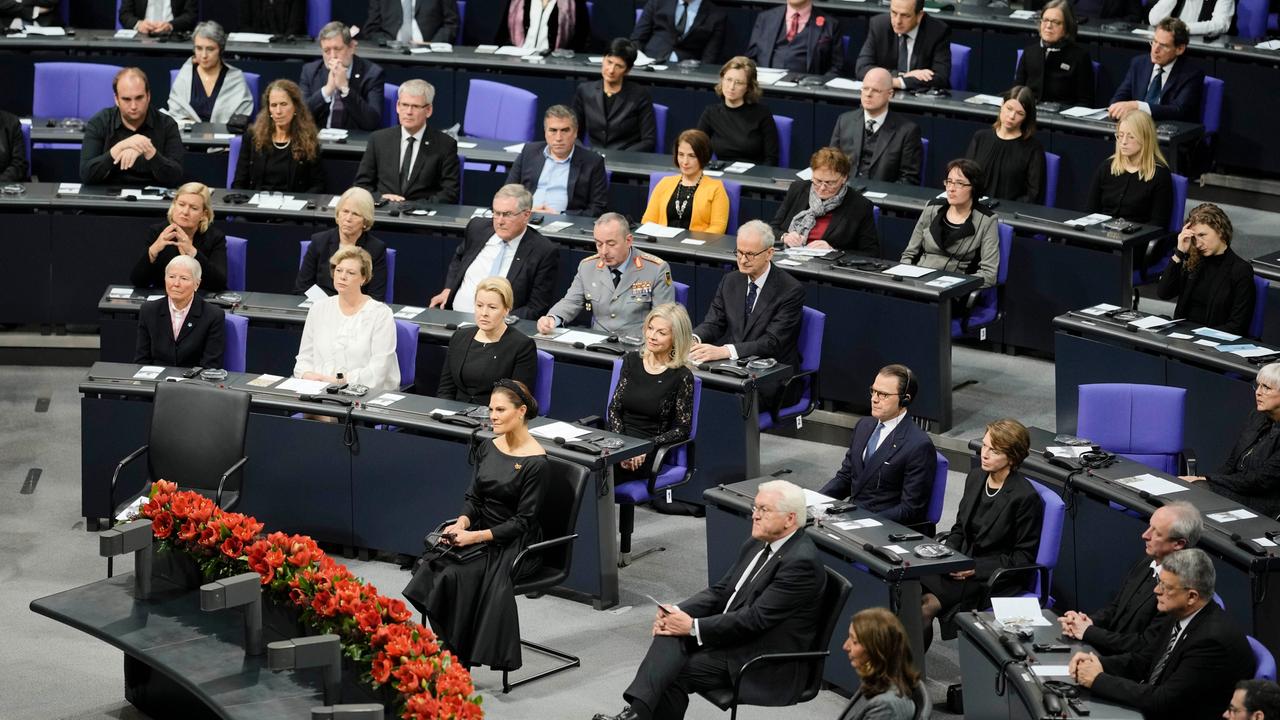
point(1047, 553)
point(236, 252)
point(1141, 422)
point(937, 498)
point(1251, 19)
point(500, 112)
point(26, 143)
point(1260, 287)
point(985, 306)
point(462, 20)
point(960, 66)
point(924, 159)
point(390, 94)
point(72, 90)
point(1158, 252)
point(1211, 113)
point(660, 119)
point(542, 391)
point(1266, 662)
point(1052, 168)
point(233, 157)
point(235, 333)
point(407, 351)
point(682, 293)
point(812, 324)
point(784, 125)
point(319, 13)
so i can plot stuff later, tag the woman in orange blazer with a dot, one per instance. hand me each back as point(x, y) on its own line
point(690, 200)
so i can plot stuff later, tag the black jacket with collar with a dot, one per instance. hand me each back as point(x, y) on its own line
point(1066, 78)
point(251, 167)
point(931, 51)
point(774, 325)
point(1258, 485)
point(1012, 539)
point(629, 124)
point(211, 253)
point(434, 177)
point(363, 103)
point(1120, 625)
point(437, 20)
point(852, 227)
point(199, 343)
point(655, 32)
point(896, 482)
point(897, 157)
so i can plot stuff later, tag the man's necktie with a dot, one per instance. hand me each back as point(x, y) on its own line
point(405, 166)
point(1155, 88)
point(871, 130)
point(337, 111)
point(406, 27)
point(1164, 658)
point(617, 276)
point(794, 28)
point(751, 299)
point(904, 62)
point(496, 270)
point(682, 16)
point(755, 570)
point(872, 442)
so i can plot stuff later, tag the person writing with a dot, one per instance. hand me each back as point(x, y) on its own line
point(354, 219)
point(1134, 183)
point(207, 89)
point(690, 200)
point(740, 128)
point(180, 329)
point(281, 151)
point(189, 231)
point(1212, 285)
point(1011, 158)
point(480, 355)
point(889, 686)
point(824, 212)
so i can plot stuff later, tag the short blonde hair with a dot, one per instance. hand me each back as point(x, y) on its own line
point(358, 253)
point(206, 197)
point(361, 202)
point(501, 286)
point(681, 333)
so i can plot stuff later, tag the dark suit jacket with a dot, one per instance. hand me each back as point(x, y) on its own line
point(932, 51)
point(314, 268)
point(211, 253)
point(433, 177)
point(896, 159)
point(185, 13)
point(776, 611)
point(852, 227)
point(1211, 656)
point(363, 102)
point(1258, 485)
point(823, 53)
point(282, 17)
point(655, 32)
point(437, 19)
point(199, 342)
point(1120, 625)
point(1182, 94)
point(630, 124)
point(774, 325)
point(588, 190)
point(12, 9)
point(897, 480)
point(533, 272)
point(304, 175)
point(1067, 79)
point(13, 150)
point(1012, 539)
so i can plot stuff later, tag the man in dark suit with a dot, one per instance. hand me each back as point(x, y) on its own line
point(505, 247)
point(797, 38)
point(890, 464)
point(881, 144)
point(342, 90)
point(675, 30)
point(1125, 623)
point(1162, 84)
point(180, 329)
point(178, 16)
point(32, 12)
point(563, 176)
point(1189, 669)
point(433, 21)
point(766, 603)
point(411, 162)
point(755, 311)
point(914, 48)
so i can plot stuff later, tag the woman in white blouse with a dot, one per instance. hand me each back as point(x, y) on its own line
point(207, 89)
point(350, 334)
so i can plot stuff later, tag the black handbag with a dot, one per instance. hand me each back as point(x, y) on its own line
point(437, 547)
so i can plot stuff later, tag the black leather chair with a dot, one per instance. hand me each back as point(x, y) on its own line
point(833, 598)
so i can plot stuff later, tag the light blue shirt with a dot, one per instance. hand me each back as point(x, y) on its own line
point(688, 22)
point(553, 184)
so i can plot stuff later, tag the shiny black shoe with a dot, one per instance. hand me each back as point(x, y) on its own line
point(626, 714)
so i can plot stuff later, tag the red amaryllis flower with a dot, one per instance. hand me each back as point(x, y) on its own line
point(162, 525)
point(232, 547)
point(397, 611)
point(381, 670)
point(188, 531)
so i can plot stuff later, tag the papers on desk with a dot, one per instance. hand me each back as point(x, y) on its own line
point(945, 281)
point(806, 252)
point(385, 399)
point(265, 380)
point(464, 145)
point(570, 337)
point(120, 292)
point(409, 312)
point(858, 524)
point(1178, 336)
point(840, 83)
point(303, 387)
point(486, 49)
point(1207, 343)
point(805, 174)
point(1215, 334)
point(1051, 670)
point(1018, 611)
point(789, 263)
point(45, 31)
point(512, 50)
point(125, 34)
point(1079, 111)
point(556, 226)
point(642, 59)
point(155, 296)
point(1149, 322)
point(911, 271)
point(769, 76)
point(440, 47)
point(442, 411)
point(993, 100)
point(693, 241)
point(897, 549)
point(148, 372)
point(1264, 542)
point(558, 429)
point(739, 167)
point(656, 230)
point(315, 293)
point(1151, 484)
point(333, 201)
point(514, 148)
point(1269, 45)
point(595, 59)
point(134, 508)
point(1100, 309)
point(270, 201)
point(873, 195)
point(1231, 515)
point(139, 194)
point(713, 173)
point(1087, 220)
point(1023, 15)
point(249, 37)
point(1144, 32)
point(1069, 451)
point(1249, 351)
point(332, 134)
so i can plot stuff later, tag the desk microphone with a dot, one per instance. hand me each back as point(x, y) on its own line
point(1056, 461)
point(1026, 216)
point(1012, 646)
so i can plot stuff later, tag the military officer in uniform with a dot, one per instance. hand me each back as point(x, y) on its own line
point(618, 285)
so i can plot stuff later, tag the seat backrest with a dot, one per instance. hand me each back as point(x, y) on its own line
point(500, 112)
point(462, 21)
point(660, 119)
point(118, 25)
point(391, 276)
point(319, 13)
point(406, 350)
point(233, 157)
point(1004, 233)
point(1266, 662)
point(26, 143)
point(734, 191)
point(1050, 530)
point(237, 249)
point(303, 246)
point(834, 595)
point(682, 293)
point(542, 389)
point(784, 125)
point(960, 66)
point(235, 334)
point(252, 81)
point(562, 493)
point(1179, 202)
point(1052, 167)
point(1211, 112)
point(197, 433)
point(924, 159)
point(1251, 19)
point(812, 324)
point(1260, 287)
point(72, 90)
point(390, 95)
point(938, 494)
point(1017, 62)
point(1141, 422)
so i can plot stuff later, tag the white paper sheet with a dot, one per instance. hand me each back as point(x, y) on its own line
point(805, 174)
point(1102, 309)
point(249, 37)
point(68, 188)
point(315, 294)
point(1023, 14)
point(409, 312)
point(1149, 322)
point(1269, 45)
point(1087, 220)
point(464, 145)
point(1051, 670)
point(120, 292)
point(1264, 542)
point(46, 31)
point(1178, 336)
point(1207, 343)
point(945, 281)
point(557, 429)
point(656, 230)
point(845, 83)
point(1231, 515)
point(693, 241)
point(148, 372)
point(556, 226)
point(859, 524)
point(981, 99)
point(789, 263)
point(873, 195)
point(1018, 611)
point(1069, 451)
point(385, 399)
point(512, 50)
point(139, 194)
point(265, 380)
point(911, 271)
point(333, 133)
point(577, 336)
point(132, 508)
point(514, 148)
point(740, 167)
point(813, 497)
point(1152, 484)
point(1084, 112)
point(303, 387)
point(126, 34)
point(1257, 351)
point(1215, 334)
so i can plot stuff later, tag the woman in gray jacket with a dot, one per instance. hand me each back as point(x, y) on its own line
point(958, 235)
point(207, 89)
point(890, 688)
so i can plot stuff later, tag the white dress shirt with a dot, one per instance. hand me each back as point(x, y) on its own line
point(362, 346)
point(161, 10)
point(1218, 23)
point(465, 299)
point(876, 122)
point(733, 351)
point(1143, 105)
point(747, 574)
point(540, 34)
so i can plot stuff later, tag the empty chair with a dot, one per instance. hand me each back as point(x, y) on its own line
point(1055, 511)
point(390, 95)
point(812, 323)
point(1251, 19)
point(660, 119)
point(235, 333)
point(542, 389)
point(1052, 167)
point(1260, 287)
point(1266, 662)
point(319, 13)
point(72, 90)
point(1141, 422)
point(1211, 111)
point(984, 307)
point(406, 351)
point(233, 157)
point(500, 112)
point(682, 293)
point(784, 125)
point(236, 252)
point(960, 66)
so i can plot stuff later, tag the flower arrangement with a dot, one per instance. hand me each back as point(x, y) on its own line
point(377, 632)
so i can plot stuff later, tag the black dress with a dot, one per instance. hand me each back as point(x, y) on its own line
point(471, 606)
point(1130, 197)
point(276, 169)
point(746, 133)
point(471, 367)
point(211, 253)
point(1014, 169)
point(658, 407)
point(1219, 293)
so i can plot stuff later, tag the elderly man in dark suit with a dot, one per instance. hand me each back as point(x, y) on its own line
point(767, 602)
point(915, 48)
point(433, 21)
point(1161, 83)
point(563, 176)
point(342, 90)
point(506, 247)
point(798, 38)
point(411, 162)
point(177, 16)
point(1190, 668)
point(881, 144)
point(675, 30)
point(890, 464)
point(180, 329)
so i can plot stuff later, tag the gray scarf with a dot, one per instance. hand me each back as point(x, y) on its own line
point(802, 224)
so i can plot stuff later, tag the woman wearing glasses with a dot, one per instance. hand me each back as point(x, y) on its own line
point(207, 89)
point(958, 234)
point(690, 200)
point(1134, 183)
point(1056, 68)
point(1251, 473)
point(825, 212)
point(1212, 285)
point(740, 127)
point(1008, 152)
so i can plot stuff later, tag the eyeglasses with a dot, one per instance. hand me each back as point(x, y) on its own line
point(1160, 585)
point(733, 82)
point(1122, 136)
point(1051, 22)
point(744, 255)
point(1162, 46)
point(412, 106)
point(956, 183)
point(878, 395)
point(503, 214)
point(1263, 389)
point(829, 183)
point(758, 510)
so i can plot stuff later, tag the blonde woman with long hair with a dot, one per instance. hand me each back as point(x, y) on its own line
point(1134, 183)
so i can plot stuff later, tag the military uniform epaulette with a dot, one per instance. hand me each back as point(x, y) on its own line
point(590, 258)
point(651, 258)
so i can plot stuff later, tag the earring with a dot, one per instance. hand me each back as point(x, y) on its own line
point(672, 354)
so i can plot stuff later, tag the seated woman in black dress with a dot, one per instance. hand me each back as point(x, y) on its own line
point(1012, 160)
point(654, 399)
point(1134, 183)
point(207, 89)
point(354, 217)
point(487, 351)
point(1055, 67)
point(470, 605)
point(1212, 284)
point(825, 212)
point(189, 231)
point(740, 127)
point(544, 25)
point(13, 150)
point(274, 17)
point(281, 152)
point(997, 524)
point(613, 113)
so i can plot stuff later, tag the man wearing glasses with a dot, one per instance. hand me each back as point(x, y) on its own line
point(1162, 84)
point(411, 162)
point(1254, 700)
point(881, 145)
point(503, 247)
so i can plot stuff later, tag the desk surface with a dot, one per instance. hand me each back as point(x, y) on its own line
point(1268, 266)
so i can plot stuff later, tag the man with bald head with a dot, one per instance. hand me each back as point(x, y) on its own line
point(130, 143)
point(881, 144)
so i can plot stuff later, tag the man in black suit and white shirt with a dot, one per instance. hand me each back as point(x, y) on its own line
point(180, 329)
point(881, 145)
point(342, 90)
point(756, 311)
point(563, 176)
point(433, 21)
point(1190, 668)
point(675, 30)
point(768, 602)
point(411, 162)
point(915, 48)
point(505, 247)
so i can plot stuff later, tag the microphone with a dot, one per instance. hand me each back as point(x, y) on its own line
point(1056, 461)
point(1012, 646)
point(451, 326)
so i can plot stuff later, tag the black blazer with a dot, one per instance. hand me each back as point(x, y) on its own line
point(185, 13)
point(199, 342)
point(655, 32)
point(13, 150)
point(630, 124)
point(1120, 625)
point(1211, 656)
point(588, 190)
point(1011, 540)
point(1068, 78)
point(433, 177)
point(10, 10)
point(314, 268)
point(211, 253)
point(852, 227)
point(932, 51)
point(280, 17)
point(533, 272)
point(774, 325)
point(897, 157)
point(437, 19)
point(514, 356)
point(1258, 485)
point(304, 175)
point(1231, 295)
point(823, 51)
point(897, 480)
point(1181, 97)
point(363, 102)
